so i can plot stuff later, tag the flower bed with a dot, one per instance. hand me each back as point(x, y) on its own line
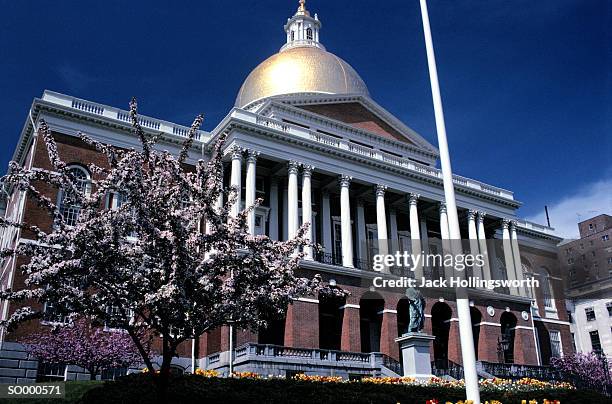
point(138, 388)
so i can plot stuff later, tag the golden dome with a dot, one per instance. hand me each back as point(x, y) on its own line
point(301, 69)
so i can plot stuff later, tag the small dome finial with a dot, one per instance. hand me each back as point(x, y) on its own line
point(302, 8)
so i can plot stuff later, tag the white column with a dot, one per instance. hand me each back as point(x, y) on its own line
point(273, 230)
point(482, 244)
point(326, 233)
point(415, 231)
point(251, 166)
point(381, 220)
point(345, 221)
point(473, 236)
point(236, 179)
point(285, 213)
point(518, 266)
point(446, 246)
point(307, 207)
point(361, 243)
point(292, 208)
point(508, 259)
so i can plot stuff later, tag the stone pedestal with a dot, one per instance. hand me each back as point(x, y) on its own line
point(416, 359)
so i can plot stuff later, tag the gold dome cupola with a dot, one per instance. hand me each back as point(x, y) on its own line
point(301, 66)
point(302, 29)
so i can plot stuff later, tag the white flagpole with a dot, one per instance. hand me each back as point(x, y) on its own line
point(463, 306)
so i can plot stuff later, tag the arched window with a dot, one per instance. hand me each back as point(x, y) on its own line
point(69, 206)
point(293, 35)
point(309, 33)
point(546, 288)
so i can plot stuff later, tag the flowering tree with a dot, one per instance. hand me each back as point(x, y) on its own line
point(146, 265)
point(588, 368)
point(82, 344)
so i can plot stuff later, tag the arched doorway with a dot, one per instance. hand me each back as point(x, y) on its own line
point(476, 320)
point(371, 306)
point(330, 321)
point(403, 316)
point(273, 334)
point(440, 327)
point(506, 343)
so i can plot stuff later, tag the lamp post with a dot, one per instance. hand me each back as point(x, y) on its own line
point(463, 306)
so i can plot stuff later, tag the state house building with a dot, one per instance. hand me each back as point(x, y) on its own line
point(306, 136)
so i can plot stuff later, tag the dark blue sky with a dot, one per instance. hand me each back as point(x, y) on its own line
point(526, 84)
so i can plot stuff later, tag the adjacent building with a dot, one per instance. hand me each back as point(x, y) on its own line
point(305, 128)
point(587, 264)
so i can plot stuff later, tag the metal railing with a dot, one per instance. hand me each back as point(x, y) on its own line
point(445, 367)
point(515, 372)
point(392, 364)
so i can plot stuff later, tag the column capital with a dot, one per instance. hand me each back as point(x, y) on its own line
point(345, 180)
point(442, 207)
point(235, 152)
point(293, 167)
point(472, 214)
point(513, 225)
point(252, 156)
point(380, 189)
point(307, 170)
point(413, 199)
point(480, 215)
point(505, 223)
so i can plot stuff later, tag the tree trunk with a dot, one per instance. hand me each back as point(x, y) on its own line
point(143, 352)
point(164, 371)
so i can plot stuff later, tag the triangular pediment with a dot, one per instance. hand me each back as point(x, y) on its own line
point(358, 112)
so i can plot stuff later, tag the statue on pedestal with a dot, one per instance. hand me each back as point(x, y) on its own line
point(416, 303)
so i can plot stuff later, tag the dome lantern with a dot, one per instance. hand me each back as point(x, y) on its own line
point(302, 29)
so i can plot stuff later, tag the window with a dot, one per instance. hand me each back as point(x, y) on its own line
point(570, 261)
point(591, 242)
point(591, 227)
point(609, 260)
point(546, 288)
point(309, 33)
point(609, 307)
point(590, 314)
point(51, 314)
point(595, 341)
point(593, 253)
point(293, 35)
point(337, 243)
point(605, 237)
point(69, 207)
point(50, 372)
point(581, 246)
point(555, 344)
point(583, 257)
point(114, 314)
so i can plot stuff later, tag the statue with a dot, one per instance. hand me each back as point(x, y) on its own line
point(416, 303)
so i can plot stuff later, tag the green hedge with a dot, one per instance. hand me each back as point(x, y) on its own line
point(138, 388)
